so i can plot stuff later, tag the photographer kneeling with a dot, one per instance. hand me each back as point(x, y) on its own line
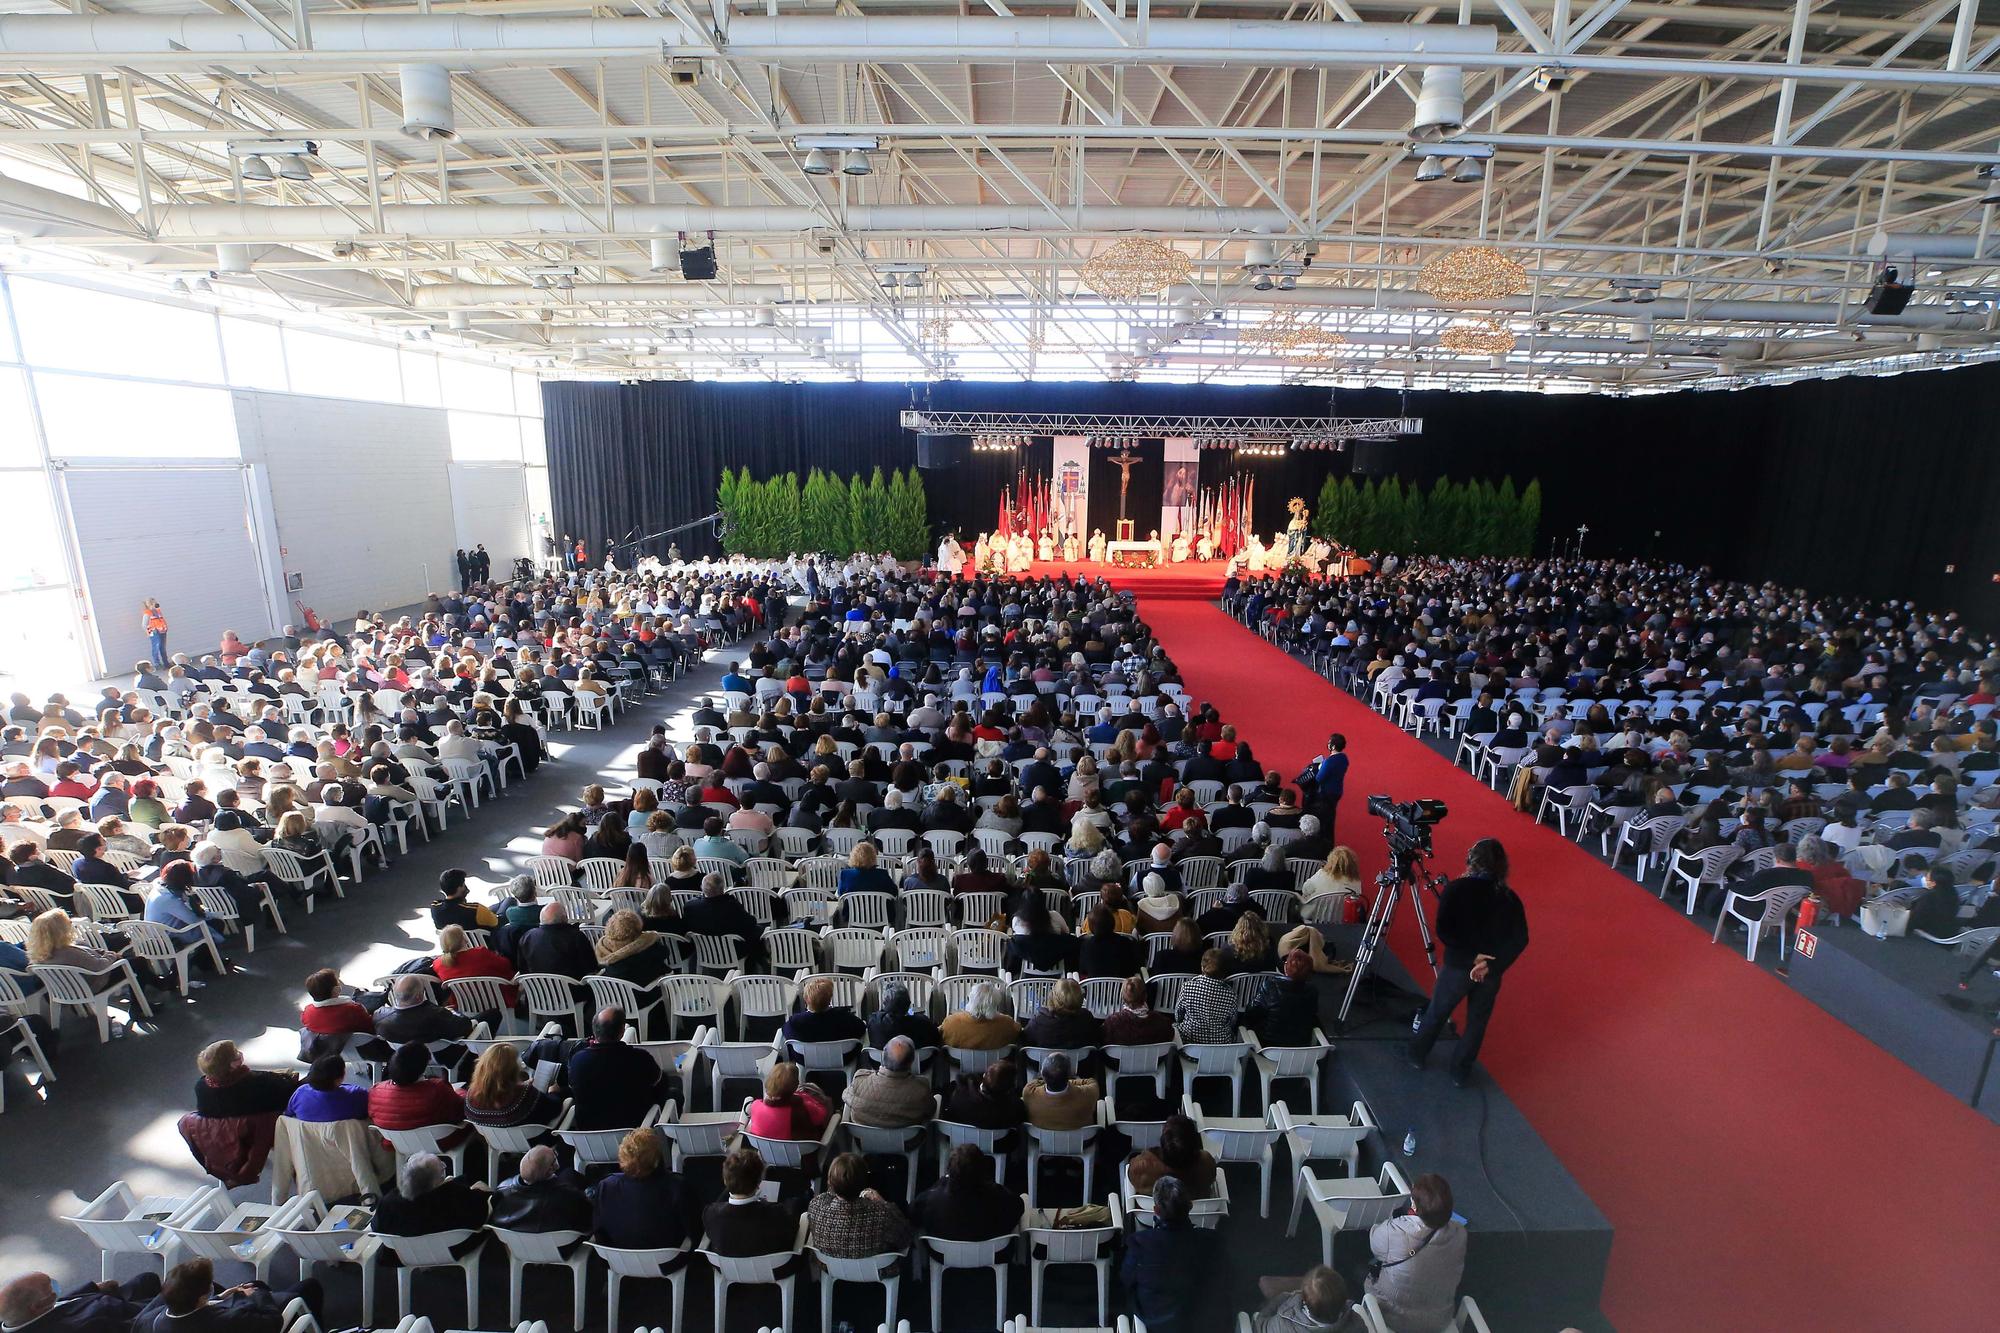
point(1484, 929)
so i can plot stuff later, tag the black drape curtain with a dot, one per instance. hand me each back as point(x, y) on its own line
point(1877, 485)
point(1142, 499)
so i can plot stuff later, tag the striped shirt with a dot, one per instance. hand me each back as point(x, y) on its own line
point(1206, 1010)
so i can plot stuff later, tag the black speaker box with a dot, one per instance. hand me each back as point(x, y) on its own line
point(940, 451)
point(1374, 458)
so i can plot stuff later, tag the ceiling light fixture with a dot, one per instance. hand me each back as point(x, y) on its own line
point(1430, 169)
point(855, 163)
point(817, 163)
point(1487, 337)
point(256, 168)
point(295, 167)
point(1471, 273)
point(1134, 267)
point(1470, 171)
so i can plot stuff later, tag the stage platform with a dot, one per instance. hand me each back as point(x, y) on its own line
point(1538, 1247)
point(1190, 580)
point(1893, 992)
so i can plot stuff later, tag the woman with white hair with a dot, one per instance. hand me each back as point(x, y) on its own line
point(984, 1024)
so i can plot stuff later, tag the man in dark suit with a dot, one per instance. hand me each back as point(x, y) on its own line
point(717, 913)
point(543, 1197)
point(743, 1224)
point(893, 815)
point(428, 1199)
point(1235, 814)
point(1203, 767)
point(411, 1015)
point(30, 1302)
point(557, 945)
point(1041, 773)
point(612, 1085)
point(188, 1300)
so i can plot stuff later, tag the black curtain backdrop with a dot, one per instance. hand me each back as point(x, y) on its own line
point(1886, 486)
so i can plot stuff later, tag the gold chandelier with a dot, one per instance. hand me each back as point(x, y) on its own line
point(1471, 273)
point(1487, 336)
point(1288, 336)
point(1134, 267)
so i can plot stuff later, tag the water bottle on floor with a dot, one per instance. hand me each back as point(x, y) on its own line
point(1410, 1144)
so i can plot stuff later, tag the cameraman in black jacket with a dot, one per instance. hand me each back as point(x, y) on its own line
point(1484, 929)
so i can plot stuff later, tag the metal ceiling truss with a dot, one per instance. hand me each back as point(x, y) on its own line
point(1700, 194)
point(1205, 432)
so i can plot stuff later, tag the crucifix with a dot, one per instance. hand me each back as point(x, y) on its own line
point(1124, 458)
point(1582, 531)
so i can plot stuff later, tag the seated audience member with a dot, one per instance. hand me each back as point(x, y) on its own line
point(326, 1095)
point(1179, 1154)
point(1249, 948)
point(33, 1301)
point(190, 1302)
point(1339, 877)
point(628, 951)
point(556, 946)
point(1183, 953)
point(862, 874)
point(330, 1017)
point(454, 905)
point(1063, 1022)
point(428, 1199)
point(1318, 1303)
point(52, 939)
point(1136, 1022)
point(789, 1109)
point(850, 1220)
point(984, 1024)
point(500, 1092)
point(406, 1099)
point(823, 1020)
point(1205, 1011)
point(412, 1016)
point(612, 1084)
point(1036, 945)
point(894, 1096)
point(459, 959)
point(1107, 952)
point(228, 1086)
point(642, 1205)
point(1286, 1011)
point(744, 1225)
point(1936, 912)
point(716, 912)
point(1422, 1257)
point(1057, 1100)
point(893, 1018)
point(1164, 1268)
point(967, 1203)
point(542, 1197)
point(990, 1100)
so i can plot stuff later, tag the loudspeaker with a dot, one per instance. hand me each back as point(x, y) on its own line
point(1887, 296)
point(938, 451)
point(1373, 458)
point(698, 265)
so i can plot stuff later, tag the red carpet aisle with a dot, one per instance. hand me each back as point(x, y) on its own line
point(1765, 1166)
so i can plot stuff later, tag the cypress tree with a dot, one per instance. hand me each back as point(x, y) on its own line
point(727, 504)
point(1443, 522)
point(1529, 527)
point(1501, 529)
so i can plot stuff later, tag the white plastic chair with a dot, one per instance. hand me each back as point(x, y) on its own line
point(1301, 1062)
point(548, 995)
point(515, 1140)
point(945, 1255)
point(756, 1270)
point(670, 1265)
point(1077, 1143)
point(875, 1268)
point(119, 1221)
point(1048, 1245)
point(557, 1248)
point(435, 1250)
point(69, 988)
point(905, 1141)
point(1240, 1139)
point(1322, 1138)
point(1348, 1204)
point(169, 954)
point(338, 1235)
point(599, 1147)
point(225, 1232)
point(1217, 1060)
point(1694, 870)
point(426, 1139)
point(1778, 906)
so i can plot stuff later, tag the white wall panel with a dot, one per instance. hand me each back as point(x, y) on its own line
point(489, 503)
point(360, 496)
point(202, 565)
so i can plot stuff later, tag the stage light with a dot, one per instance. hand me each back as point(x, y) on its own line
point(818, 163)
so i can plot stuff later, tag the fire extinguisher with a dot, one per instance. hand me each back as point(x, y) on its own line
point(1350, 909)
point(1808, 911)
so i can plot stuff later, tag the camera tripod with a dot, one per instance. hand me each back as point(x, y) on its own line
point(1407, 868)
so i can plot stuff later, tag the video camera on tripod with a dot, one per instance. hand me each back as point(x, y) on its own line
point(1406, 827)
